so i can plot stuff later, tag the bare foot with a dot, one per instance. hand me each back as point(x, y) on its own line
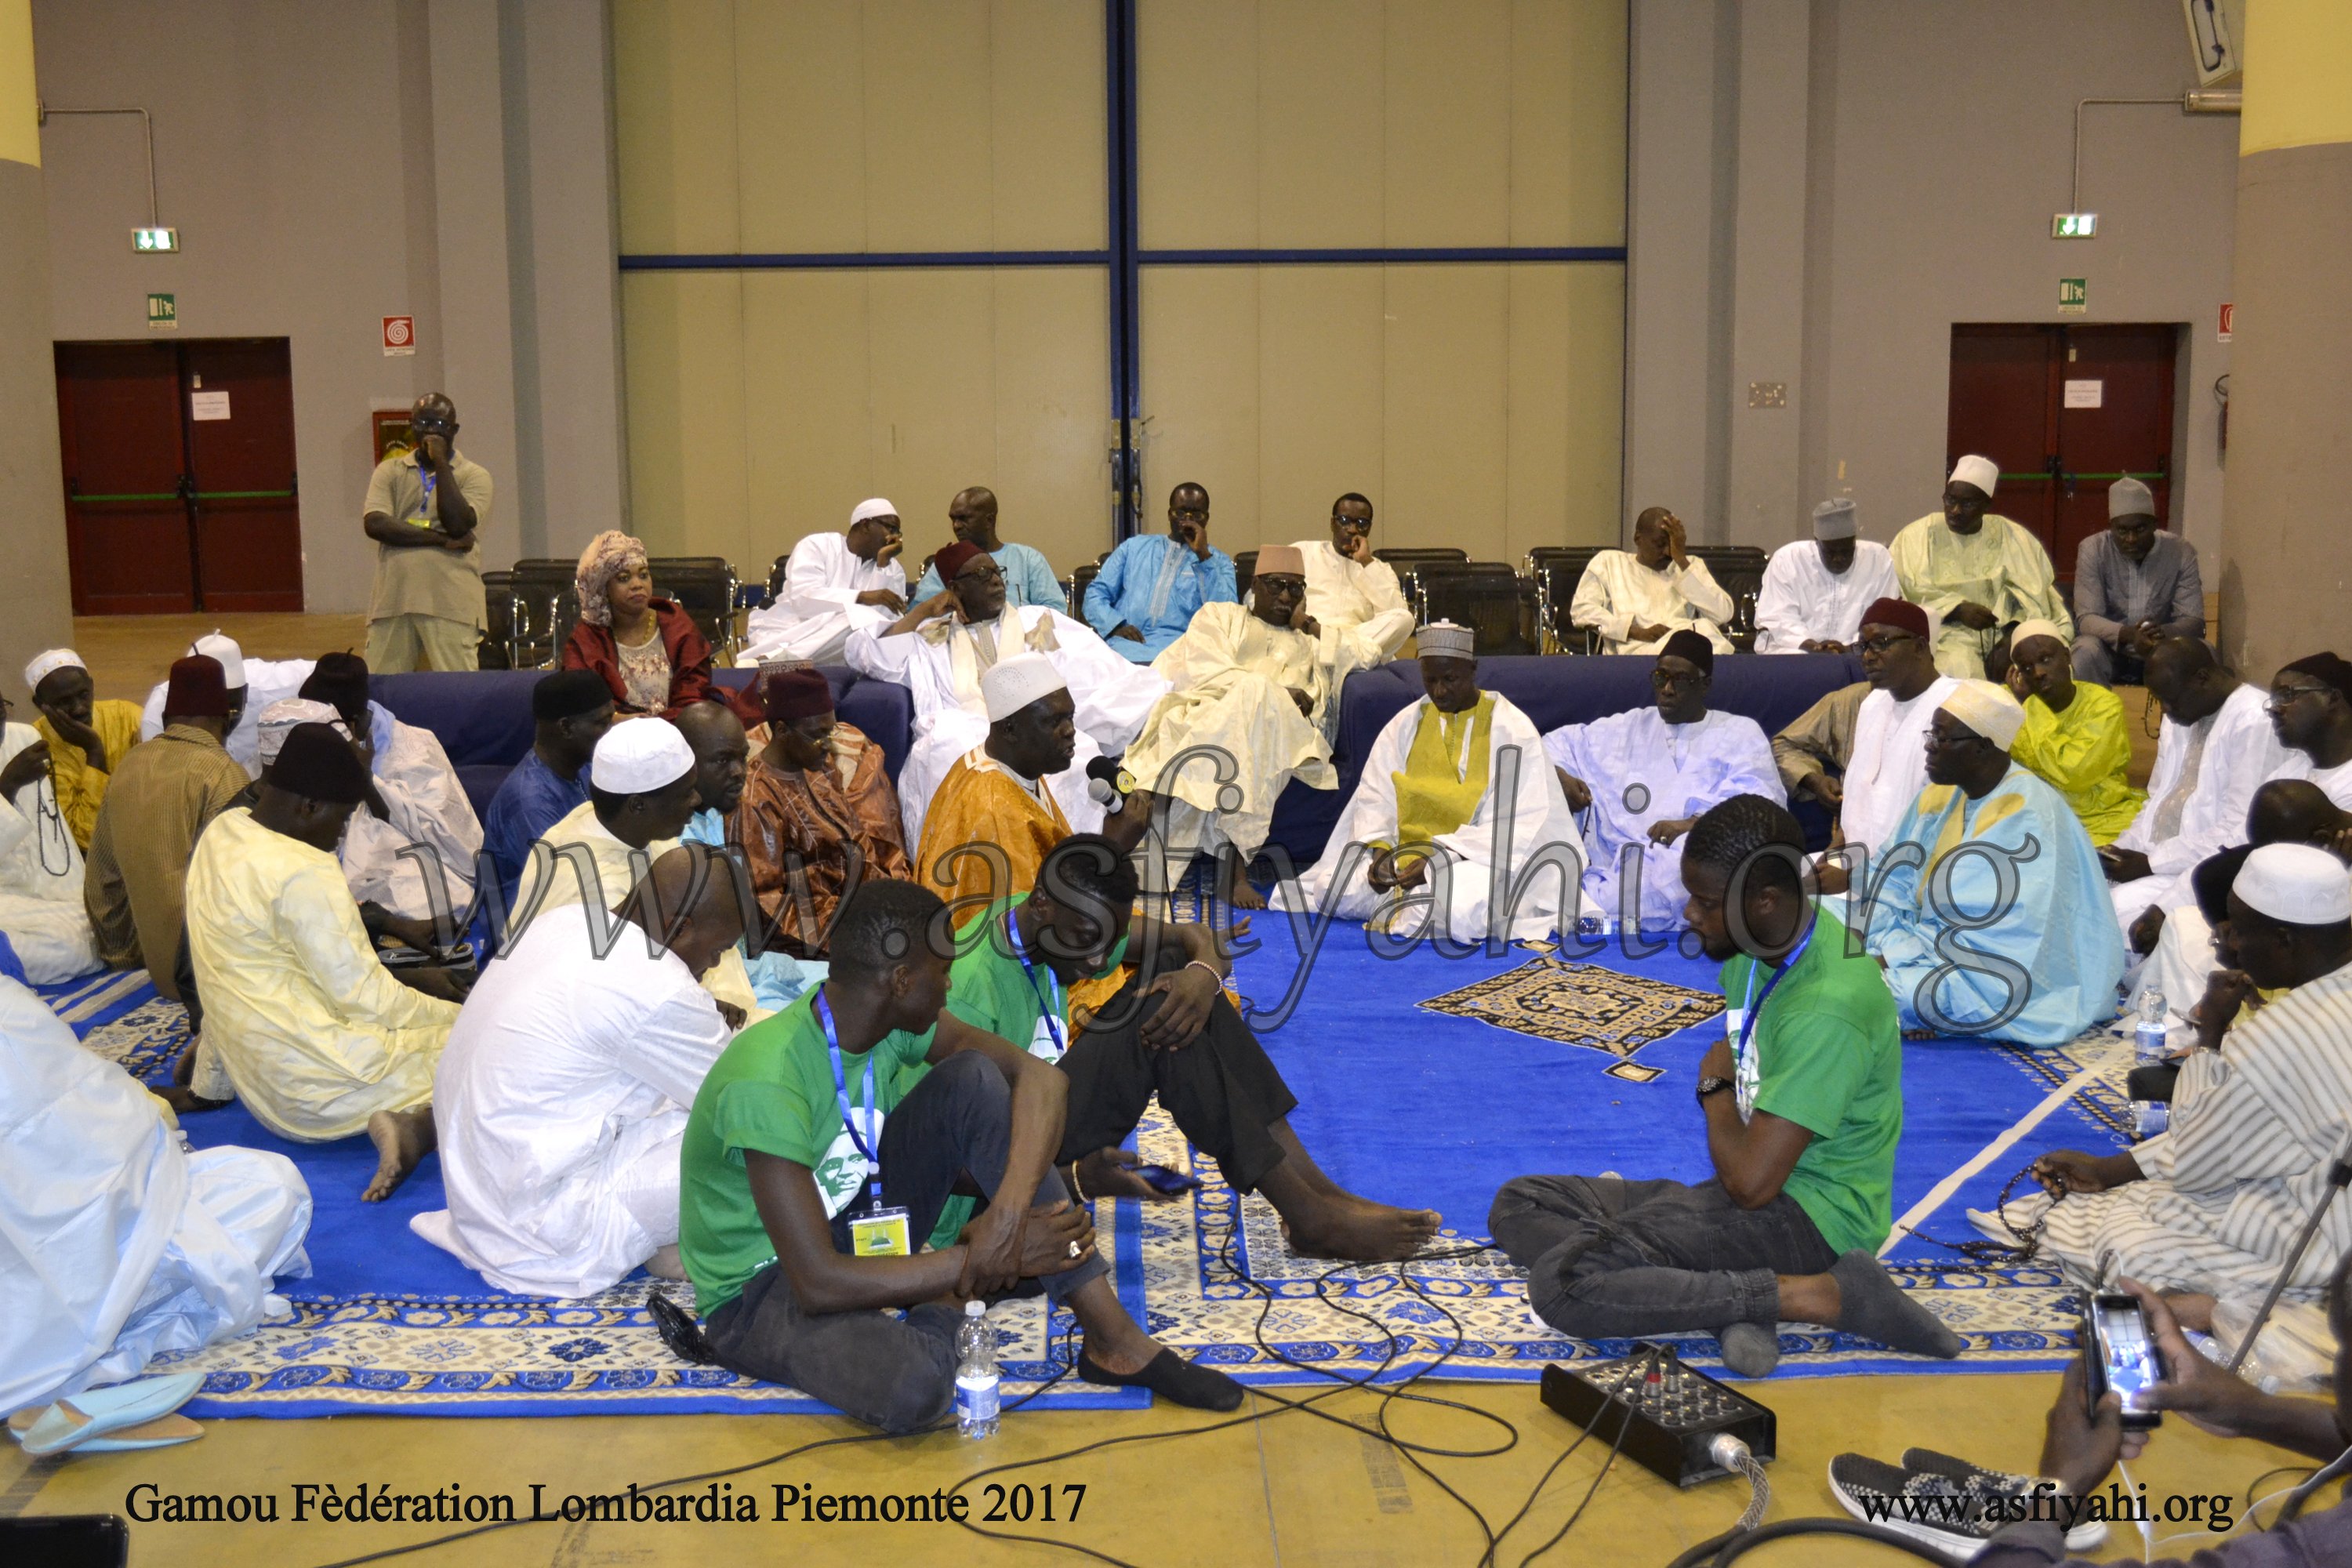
point(401, 1140)
point(1359, 1230)
point(665, 1263)
point(1245, 896)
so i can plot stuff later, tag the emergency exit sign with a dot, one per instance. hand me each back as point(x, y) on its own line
point(154, 241)
point(162, 313)
point(2074, 296)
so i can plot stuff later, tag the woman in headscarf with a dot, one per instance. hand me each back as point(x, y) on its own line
point(649, 650)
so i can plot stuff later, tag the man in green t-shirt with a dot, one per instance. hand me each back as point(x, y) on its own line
point(1170, 1030)
point(814, 1164)
point(1803, 1102)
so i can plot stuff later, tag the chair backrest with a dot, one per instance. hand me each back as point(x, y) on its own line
point(1488, 596)
point(498, 619)
point(704, 588)
point(776, 580)
point(1077, 583)
point(543, 600)
point(1555, 570)
point(1245, 568)
point(1738, 571)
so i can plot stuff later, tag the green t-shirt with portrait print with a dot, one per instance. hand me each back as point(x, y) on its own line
point(771, 1089)
point(1827, 1053)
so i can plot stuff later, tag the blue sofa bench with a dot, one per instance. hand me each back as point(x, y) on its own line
point(1771, 689)
point(483, 716)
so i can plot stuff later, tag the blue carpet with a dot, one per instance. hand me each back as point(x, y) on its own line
point(1418, 1108)
point(1397, 1103)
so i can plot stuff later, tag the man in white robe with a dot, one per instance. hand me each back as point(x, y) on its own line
point(1649, 774)
point(1815, 590)
point(116, 1244)
point(253, 684)
point(41, 867)
point(1887, 766)
point(563, 1095)
point(833, 583)
point(416, 799)
point(940, 648)
point(1349, 587)
point(2216, 748)
point(1261, 686)
point(1457, 805)
point(2311, 709)
point(1637, 600)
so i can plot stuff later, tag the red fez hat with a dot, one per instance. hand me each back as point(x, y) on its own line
point(1898, 613)
point(198, 689)
point(790, 694)
point(954, 559)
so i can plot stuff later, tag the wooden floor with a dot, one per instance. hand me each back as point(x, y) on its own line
point(127, 654)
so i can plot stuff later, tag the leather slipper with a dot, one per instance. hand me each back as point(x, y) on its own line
point(97, 1413)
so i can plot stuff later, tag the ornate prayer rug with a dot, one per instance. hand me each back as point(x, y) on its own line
point(1580, 1005)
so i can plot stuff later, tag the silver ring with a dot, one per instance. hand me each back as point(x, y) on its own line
point(1074, 1249)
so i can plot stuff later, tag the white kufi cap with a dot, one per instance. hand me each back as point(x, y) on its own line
point(1012, 684)
point(2026, 629)
point(1443, 639)
point(1834, 519)
point(230, 656)
point(877, 507)
point(2298, 883)
point(640, 756)
point(1987, 709)
point(47, 664)
point(1981, 472)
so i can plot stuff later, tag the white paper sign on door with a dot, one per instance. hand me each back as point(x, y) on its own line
point(2087, 394)
point(215, 405)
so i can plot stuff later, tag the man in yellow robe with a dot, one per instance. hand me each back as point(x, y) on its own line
point(86, 738)
point(1256, 690)
point(2073, 735)
point(1975, 572)
point(302, 1020)
point(995, 815)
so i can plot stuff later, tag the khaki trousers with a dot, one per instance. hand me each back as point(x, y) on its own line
point(397, 644)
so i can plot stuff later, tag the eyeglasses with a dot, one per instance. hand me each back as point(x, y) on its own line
point(1662, 678)
point(1886, 641)
point(2284, 696)
point(980, 575)
point(1189, 516)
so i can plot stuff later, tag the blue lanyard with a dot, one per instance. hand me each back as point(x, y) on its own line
point(841, 1094)
point(1749, 1013)
point(1050, 1004)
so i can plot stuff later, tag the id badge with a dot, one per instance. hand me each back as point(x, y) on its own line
point(1734, 1020)
point(1041, 1043)
point(879, 1233)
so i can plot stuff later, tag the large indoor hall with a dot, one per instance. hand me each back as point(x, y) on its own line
point(1169, 782)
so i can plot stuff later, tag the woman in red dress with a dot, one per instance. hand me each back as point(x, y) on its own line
point(648, 651)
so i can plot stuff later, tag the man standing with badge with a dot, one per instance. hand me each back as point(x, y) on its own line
point(1802, 1100)
point(425, 508)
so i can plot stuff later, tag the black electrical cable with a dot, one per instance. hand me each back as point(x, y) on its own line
point(1731, 1545)
point(1624, 1422)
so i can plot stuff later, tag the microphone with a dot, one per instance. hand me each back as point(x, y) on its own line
point(1107, 782)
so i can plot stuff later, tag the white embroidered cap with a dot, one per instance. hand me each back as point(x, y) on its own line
point(877, 507)
point(639, 757)
point(1987, 709)
point(45, 665)
point(1012, 684)
point(1981, 472)
point(2301, 884)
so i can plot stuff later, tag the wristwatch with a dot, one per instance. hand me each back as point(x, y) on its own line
point(1707, 1085)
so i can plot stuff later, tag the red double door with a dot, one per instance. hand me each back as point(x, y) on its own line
point(2065, 411)
point(179, 471)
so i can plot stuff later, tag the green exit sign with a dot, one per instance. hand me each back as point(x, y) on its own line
point(2074, 296)
point(2075, 225)
point(162, 313)
point(153, 241)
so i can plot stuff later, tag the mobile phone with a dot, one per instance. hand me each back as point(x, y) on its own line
point(1162, 1179)
point(2120, 1353)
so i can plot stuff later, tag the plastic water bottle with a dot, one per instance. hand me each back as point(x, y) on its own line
point(976, 1377)
point(2150, 1117)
